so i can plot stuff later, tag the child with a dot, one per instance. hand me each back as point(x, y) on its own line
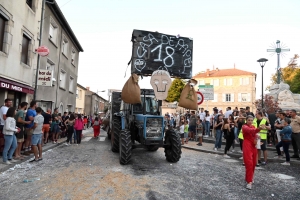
point(186, 131)
point(199, 130)
point(181, 129)
point(55, 130)
point(96, 127)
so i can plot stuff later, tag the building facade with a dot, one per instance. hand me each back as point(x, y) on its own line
point(62, 61)
point(19, 37)
point(232, 87)
point(80, 99)
point(94, 104)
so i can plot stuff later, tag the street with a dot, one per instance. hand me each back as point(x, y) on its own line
point(92, 171)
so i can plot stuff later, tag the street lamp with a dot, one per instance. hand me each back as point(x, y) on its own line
point(262, 63)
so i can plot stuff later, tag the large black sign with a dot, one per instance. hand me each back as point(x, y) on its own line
point(153, 51)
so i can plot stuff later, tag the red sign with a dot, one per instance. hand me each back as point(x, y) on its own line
point(10, 86)
point(43, 51)
point(200, 98)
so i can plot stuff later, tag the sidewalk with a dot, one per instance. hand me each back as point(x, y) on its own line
point(48, 146)
point(208, 147)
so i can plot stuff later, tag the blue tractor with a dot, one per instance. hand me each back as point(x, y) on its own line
point(141, 126)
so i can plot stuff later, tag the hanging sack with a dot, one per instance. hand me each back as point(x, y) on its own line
point(188, 97)
point(131, 92)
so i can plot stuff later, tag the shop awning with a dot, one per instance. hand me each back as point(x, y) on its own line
point(12, 85)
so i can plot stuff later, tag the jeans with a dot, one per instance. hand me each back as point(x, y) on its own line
point(207, 127)
point(285, 146)
point(235, 132)
point(75, 138)
point(9, 147)
point(218, 138)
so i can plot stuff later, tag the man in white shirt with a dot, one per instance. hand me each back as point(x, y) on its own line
point(202, 117)
point(3, 111)
point(228, 112)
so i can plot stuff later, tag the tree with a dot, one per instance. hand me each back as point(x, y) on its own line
point(175, 90)
point(270, 105)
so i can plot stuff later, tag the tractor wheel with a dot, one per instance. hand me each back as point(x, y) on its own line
point(173, 150)
point(125, 147)
point(152, 148)
point(109, 133)
point(115, 135)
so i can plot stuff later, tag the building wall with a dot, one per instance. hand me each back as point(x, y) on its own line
point(80, 100)
point(63, 97)
point(22, 20)
point(237, 91)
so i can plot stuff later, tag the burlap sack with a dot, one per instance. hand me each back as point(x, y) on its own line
point(131, 92)
point(188, 97)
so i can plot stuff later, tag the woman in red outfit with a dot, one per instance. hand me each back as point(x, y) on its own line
point(96, 127)
point(249, 149)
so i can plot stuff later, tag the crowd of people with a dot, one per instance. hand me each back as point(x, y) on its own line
point(26, 130)
point(253, 132)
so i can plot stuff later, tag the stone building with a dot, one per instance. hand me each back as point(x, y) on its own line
point(80, 99)
point(62, 61)
point(94, 104)
point(232, 87)
point(19, 35)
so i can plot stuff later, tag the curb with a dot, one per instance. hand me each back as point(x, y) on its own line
point(233, 155)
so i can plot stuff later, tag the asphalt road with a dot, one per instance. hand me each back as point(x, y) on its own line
point(92, 171)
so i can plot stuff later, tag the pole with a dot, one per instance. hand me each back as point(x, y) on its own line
point(278, 67)
point(262, 87)
point(40, 42)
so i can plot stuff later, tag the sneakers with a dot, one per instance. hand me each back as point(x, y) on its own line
point(226, 156)
point(263, 163)
point(241, 158)
point(12, 160)
point(199, 144)
point(7, 163)
point(232, 150)
point(206, 136)
point(67, 143)
point(215, 149)
point(249, 186)
point(286, 163)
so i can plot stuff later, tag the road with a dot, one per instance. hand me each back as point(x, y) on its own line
point(92, 171)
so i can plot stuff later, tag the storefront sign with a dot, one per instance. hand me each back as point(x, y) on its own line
point(10, 86)
point(44, 77)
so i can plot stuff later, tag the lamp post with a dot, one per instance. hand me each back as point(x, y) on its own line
point(262, 63)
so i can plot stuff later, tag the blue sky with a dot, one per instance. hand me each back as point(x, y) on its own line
point(224, 32)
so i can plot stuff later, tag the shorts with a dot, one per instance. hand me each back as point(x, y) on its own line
point(20, 140)
point(36, 139)
point(263, 147)
point(192, 129)
point(199, 133)
point(46, 128)
point(29, 131)
point(186, 135)
point(181, 135)
point(258, 146)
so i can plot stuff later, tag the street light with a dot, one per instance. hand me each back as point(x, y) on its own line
point(262, 63)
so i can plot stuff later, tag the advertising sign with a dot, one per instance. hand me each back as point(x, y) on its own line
point(207, 91)
point(157, 51)
point(44, 77)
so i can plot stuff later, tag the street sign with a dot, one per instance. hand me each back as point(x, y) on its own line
point(200, 98)
point(207, 91)
point(43, 51)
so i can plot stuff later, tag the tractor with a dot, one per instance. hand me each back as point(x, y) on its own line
point(141, 126)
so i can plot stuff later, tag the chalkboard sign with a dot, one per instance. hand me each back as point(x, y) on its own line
point(153, 51)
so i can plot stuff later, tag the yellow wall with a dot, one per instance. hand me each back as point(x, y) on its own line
point(80, 96)
point(237, 91)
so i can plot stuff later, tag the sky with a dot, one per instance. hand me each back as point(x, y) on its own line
point(224, 32)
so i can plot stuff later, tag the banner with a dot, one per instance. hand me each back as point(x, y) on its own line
point(44, 77)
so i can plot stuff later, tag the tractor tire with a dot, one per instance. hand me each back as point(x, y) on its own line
point(152, 148)
point(125, 147)
point(173, 150)
point(109, 133)
point(115, 135)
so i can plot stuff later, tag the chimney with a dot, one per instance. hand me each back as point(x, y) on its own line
point(234, 66)
point(207, 72)
point(88, 88)
point(217, 69)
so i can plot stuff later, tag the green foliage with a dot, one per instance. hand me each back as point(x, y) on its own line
point(295, 83)
point(175, 90)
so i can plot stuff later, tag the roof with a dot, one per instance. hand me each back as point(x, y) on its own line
point(222, 72)
point(63, 21)
point(78, 85)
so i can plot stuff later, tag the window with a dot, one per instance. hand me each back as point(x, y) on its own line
point(77, 94)
point(244, 81)
point(65, 46)
point(29, 3)
point(71, 84)
point(201, 82)
point(73, 56)
point(2, 32)
point(50, 66)
point(53, 31)
point(215, 98)
point(62, 79)
point(25, 49)
point(228, 98)
point(228, 81)
point(80, 94)
point(244, 97)
point(214, 82)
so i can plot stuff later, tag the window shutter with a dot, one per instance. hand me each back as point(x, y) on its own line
point(211, 82)
point(215, 98)
point(232, 97)
point(223, 97)
point(224, 81)
point(217, 82)
point(247, 81)
point(239, 97)
point(249, 97)
point(241, 81)
point(230, 81)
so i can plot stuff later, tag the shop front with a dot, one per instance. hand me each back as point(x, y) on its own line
point(15, 91)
